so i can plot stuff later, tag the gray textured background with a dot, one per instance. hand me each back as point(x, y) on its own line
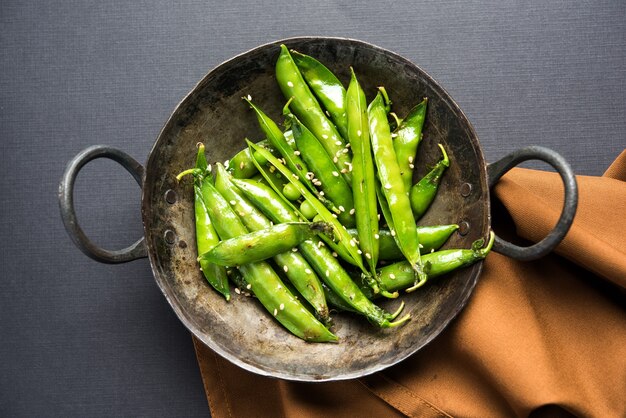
point(81, 338)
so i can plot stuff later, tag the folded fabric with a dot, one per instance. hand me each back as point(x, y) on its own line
point(541, 338)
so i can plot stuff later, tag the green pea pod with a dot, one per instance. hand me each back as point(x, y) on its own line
point(401, 220)
point(206, 237)
point(293, 264)
point(325, 174)
point(399, 275)
point(363, 177)
point(424, 191)
point(318, 255)
point(263, 244)
point(340, 232)
point(241, 165)
point(407, 137)
point(326, 87)
point(306, 107)
point(262, 280)
point(431, 239)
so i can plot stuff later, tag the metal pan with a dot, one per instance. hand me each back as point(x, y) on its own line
point(241, 331)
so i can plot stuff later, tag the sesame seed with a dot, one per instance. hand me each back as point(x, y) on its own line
point(279, 287)
point(336, 174)
point(324, 136)
point(353, 242)
point(272, 169)
point(352, 211)
point(345, 150)
point(338, 143)
point(410, 159)
point(334, 215)
point(249, 286)
point(359, 252)
point(335, 159)
point(210, 168)
point(322, 193)
point(242, 213)
point(376, 236)
point(294, 249)
point(335, 254)
point(289, 83)
point(411, 166)
point(392, 276)
point(320, 244)
point(368, 256)
point(327, 273)
point(344, 170)
point(242, 165)
point(378, 216)
point(358, 133)
point(308, 271)
point(432, 250)
point(387, 186)
point(232, 202)
point(341, 209)
point(237, 291)
point(421, 246)
point(286, 269)
point(296, 152)
point(327, 113)
point(393, 233)
point(275, 312)
point(282, 306)
point(394, 135)
point(348, 145)
point(294, 176)
point(226, 163)
point(249, 97)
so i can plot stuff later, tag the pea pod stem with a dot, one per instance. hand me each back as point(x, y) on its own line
point(423, 192)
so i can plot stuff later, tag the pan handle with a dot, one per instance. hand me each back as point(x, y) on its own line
point(497, 169)
point(68, 214)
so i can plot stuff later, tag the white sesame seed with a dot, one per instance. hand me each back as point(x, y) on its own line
point(296, 152)
point(242, 165)
point(344, 170)
point(348, 145)
point(411, 166)
point(237, 291)
point(327, 273)
point(335, 159)
point(294, 249)
point(345, 150)
point(393, 135)
point(338, 143)
point(279, 287)
point(352, 211)
point(410, 159)
point(358, 133)
point(210, 168)
point(275, 312)
point(249, 286)
point(368, 256)
point(432, 250)
point(387, 186)
point(294, 176)
point(353, 242)
point(378, 216)
point(286, 269)
point(327, 113)
point(308, 271)
point(335, 254)
point(282, 306)
point(376, 236)
point(322, 193)
point(393, 233)
point(249, 97)
point(232, 202)
point(336, 174)
point(289, 83)
point(392, 276)
point(226, 163)
point(421, 246)
point(341, 208)
point(334, 215)
point(359, 251)
point(324, 136)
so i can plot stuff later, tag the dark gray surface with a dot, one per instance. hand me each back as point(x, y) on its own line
point(81, 338)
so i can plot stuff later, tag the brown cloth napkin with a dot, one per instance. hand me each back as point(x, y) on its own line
point(541, 338)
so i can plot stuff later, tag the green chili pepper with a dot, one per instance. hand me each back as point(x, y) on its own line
point(423, 192)
point(262, 244)
point(292, 263)
point(406, 140)
point(326, 87)
point(323, 172)
point(400, 218)
point(399, 275)
point(306, 107)
point(206, 237)
point(431, 238)
point(263, 280)
point(363, 180)
point(318, 255)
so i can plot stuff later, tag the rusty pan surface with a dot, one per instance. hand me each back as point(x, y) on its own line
point(241, 330)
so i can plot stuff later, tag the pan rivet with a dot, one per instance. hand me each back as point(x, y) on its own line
point(464, 227)
point(182, 244)
point(170, 196)
point(466, 189)
point(170, 236)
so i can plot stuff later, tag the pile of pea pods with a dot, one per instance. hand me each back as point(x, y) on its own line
point(322, 214)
